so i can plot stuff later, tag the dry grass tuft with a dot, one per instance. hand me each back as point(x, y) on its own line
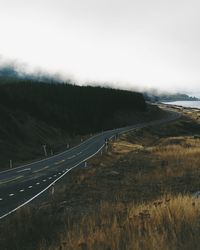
point(136, 196)
point(168, 223)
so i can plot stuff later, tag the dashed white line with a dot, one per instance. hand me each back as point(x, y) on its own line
point(55, 175)
point(38, 183)
point(71, 157)
point(1, 199)
point(30, 186)
point(26, 169)
point(42, 191)
point(22, 190)
point(50, 178)
point(42, 169)
point(44, 180)
point(59, 162)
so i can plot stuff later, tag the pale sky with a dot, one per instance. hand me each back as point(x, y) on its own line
point(145, 43)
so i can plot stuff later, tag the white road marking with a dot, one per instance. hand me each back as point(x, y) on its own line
point(50, 178)
point(42, 169)
point(38, 183)
point(51, 184)
point(26, 169)
point(63, 171)
point(44, 180)
point(71, 157)
point(59, 162)
point(11, 194)
point(59, 173)
point(51, 156)
point(1, 199)
point(30, 186)
point(22, 190)
point(55, 175)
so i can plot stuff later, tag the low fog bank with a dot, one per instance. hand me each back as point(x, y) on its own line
point(18, 71)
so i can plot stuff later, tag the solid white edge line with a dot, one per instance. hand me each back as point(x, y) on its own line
point(51, 157)
point(69, 150)
point(28, 201)
point(51, 184)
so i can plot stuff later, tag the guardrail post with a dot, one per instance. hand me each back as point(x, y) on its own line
point(53, 190)
point(11, 164)
point(45, 149)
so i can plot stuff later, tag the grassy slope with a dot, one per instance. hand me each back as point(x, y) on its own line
point(21, 139)
point(33, 114)
point(135, 196)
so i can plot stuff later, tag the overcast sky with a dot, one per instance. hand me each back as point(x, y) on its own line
point(145, 43)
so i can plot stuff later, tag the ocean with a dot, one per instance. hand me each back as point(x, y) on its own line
point(188, 104)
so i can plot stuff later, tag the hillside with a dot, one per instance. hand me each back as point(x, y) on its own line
point(33, 113)
point(137, 195)
point(168, 97)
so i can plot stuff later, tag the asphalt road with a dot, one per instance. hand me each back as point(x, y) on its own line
point(21, 185)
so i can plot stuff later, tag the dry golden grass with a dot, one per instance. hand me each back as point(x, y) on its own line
point(168, 223)
point(180, 156)
point(137, 196)
point(123, 147)
point(171, 222)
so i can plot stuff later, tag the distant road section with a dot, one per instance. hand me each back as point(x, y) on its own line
point(21, 185)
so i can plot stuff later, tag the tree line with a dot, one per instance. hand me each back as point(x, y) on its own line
point(74, 108)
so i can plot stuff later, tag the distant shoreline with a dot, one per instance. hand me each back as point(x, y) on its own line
point(184, 104)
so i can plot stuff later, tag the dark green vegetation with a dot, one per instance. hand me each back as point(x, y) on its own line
point(76, 109)
point(33, 113)
point(97, 207)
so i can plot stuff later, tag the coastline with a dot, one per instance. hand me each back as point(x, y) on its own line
point(184, 104)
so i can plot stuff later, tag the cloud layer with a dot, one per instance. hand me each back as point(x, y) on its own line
point(146, 43)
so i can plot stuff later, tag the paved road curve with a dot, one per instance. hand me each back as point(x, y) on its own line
point(21, 185)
